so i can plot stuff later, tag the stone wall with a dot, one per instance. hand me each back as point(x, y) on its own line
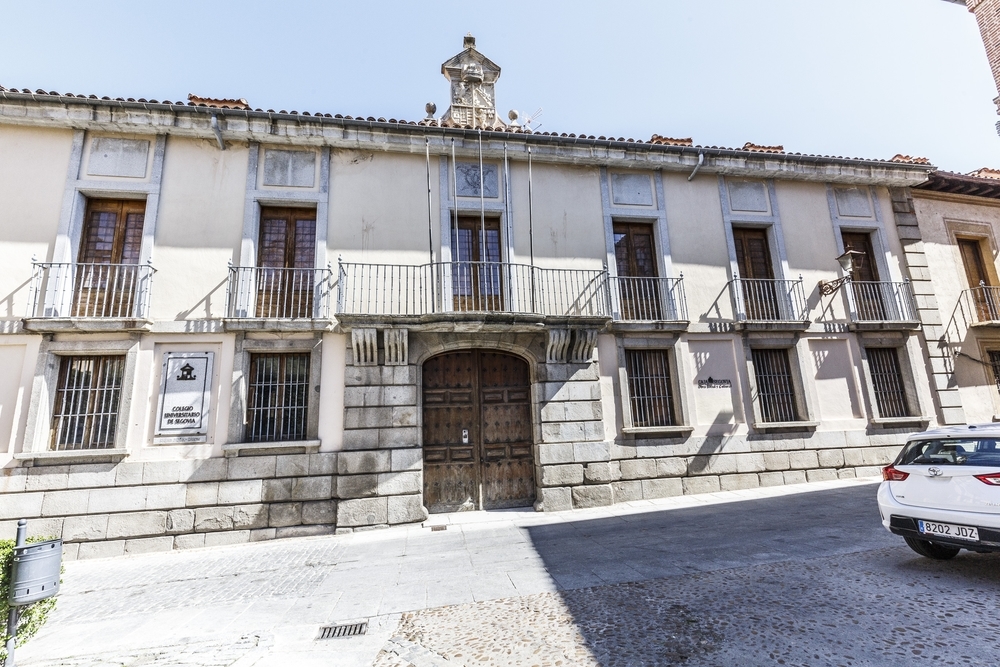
point(648, 469)
point(380, 470)
point(110, 509)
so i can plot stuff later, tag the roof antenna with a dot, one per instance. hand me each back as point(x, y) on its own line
point(531, 119)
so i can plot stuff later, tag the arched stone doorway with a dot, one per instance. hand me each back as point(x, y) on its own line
point(477, 432)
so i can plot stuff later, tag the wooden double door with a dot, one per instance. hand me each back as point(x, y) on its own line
point(477, 432)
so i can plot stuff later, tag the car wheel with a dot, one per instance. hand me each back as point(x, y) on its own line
point(932, 549)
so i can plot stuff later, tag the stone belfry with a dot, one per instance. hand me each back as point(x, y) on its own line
point(473, 100)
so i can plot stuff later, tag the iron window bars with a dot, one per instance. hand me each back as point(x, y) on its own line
point(277, 397)
point(890, 396)
point(88, 394)
point(775, 391)
point(649, 387)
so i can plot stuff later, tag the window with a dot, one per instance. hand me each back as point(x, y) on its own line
point(995, 366)
point(864, 278)
point(88, 393)
point(286, 256)
point(890, 395)
point(477, 276)
point(753, 259)
point(775, 390)
point(649, 387)
point(635, 260)
point(107, 270)
point(277, 397)
point(983, 295)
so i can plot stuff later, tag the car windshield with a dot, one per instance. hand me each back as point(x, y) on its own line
point(953, 451)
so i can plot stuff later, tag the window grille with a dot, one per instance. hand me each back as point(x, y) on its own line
point(995, 364)
point(890, 397)
point(88, 394)
point(775, 392)
point(649, 387)
point(277, 397)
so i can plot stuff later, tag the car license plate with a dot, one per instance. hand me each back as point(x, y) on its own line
point(949, 530)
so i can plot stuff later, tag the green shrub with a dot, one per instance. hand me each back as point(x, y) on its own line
point(33, 615)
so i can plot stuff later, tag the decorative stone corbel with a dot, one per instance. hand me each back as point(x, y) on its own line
point(582, 350)
point(558, 346)
point(396, 347)
point(365, 345)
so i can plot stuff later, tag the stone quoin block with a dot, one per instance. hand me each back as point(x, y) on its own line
point(323, 463)
point(406, 509)
point(180, 521)
point(137, 524)
point(803, 460)
point(252, 467)
point(597, 495)
point(84, 528)
point(357, 486)
point(831, 458)
point(624, 491)
point(562, 475)
point(312, 488)
point(602, 472)
point(276, 490)
point(285, 514)
point(165, 496)
point(117, 499)
point(251, 516)
point(738, 482)
point(291, 465)
point(638, 468)
point(661, 488)
point(554, 499)
point(62, 503)
point(701, 484)
point(356, 463)
point(319, 511)
point(240, 492)
point(399, 483)
point(213, 518)
point(362, 512)
point(206, 493)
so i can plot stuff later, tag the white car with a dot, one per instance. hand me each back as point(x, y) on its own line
point(942, 493)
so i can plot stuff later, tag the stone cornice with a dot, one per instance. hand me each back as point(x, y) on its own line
point(238, 125)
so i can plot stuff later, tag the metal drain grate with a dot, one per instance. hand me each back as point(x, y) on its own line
point(346, 630)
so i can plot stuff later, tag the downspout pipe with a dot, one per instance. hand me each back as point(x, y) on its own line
point(701, 161)
point(218, 132)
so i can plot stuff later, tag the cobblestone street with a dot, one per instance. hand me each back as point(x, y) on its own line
point(789, 576)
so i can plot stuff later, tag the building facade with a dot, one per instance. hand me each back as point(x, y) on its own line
point(224, 324)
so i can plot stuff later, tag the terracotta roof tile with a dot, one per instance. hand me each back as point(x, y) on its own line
point(656, 139)
point(899, 157)
point(758, 148)
point(218, 103)
point(669, 141)
point(985, 172)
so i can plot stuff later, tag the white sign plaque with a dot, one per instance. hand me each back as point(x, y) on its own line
point(185, 398)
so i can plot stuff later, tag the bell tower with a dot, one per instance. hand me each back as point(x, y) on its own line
point(473, 101)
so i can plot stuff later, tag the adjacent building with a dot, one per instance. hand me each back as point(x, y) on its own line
point(224, 324)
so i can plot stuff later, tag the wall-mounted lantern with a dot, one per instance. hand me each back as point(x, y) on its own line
point(847, 262)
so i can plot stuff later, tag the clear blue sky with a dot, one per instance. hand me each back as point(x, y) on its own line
point(865, 78)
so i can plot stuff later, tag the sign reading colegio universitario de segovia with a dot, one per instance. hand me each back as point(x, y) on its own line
point(185, 398)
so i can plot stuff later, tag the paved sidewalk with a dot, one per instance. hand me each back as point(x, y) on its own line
point(262, 604)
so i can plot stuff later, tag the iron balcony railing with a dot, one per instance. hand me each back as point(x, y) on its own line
point(648, 299)
point(94, 291)
point(881, 301)
point(470, 287)
point(256, 292)
point(760, 300)
point(983, 303)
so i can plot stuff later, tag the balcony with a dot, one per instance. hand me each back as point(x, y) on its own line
point(639, 303)
point(279, 299)
point(769, 304)
point(89, 297)
point(496, 292)
point(881, 305)
point(983, 305)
